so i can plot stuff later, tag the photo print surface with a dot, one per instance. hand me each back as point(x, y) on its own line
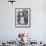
point(22, 16)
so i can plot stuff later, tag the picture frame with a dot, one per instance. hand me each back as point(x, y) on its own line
point(22, 17)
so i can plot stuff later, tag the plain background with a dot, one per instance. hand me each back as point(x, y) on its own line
point(37, 31)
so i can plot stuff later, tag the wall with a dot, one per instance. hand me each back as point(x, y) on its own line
point(8, 31)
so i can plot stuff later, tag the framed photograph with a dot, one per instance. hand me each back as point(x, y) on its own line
point(22, 17)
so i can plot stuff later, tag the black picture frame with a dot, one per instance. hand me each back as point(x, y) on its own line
point(22, 17)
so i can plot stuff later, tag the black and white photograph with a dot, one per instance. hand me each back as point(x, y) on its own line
point(22, 17)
